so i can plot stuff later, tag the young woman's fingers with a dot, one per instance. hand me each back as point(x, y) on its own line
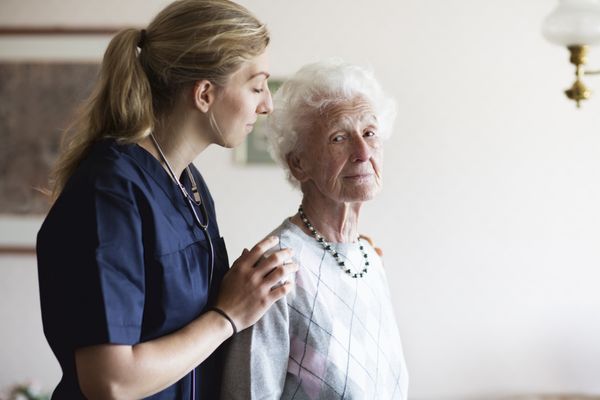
point(266, 264)
point(280, 291)
point(280, 273)
point(253, 256)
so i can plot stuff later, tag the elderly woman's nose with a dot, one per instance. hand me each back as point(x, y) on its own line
point(361, 149)
point(266, 105)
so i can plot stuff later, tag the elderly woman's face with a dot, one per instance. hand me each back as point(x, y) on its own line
point(342, 154)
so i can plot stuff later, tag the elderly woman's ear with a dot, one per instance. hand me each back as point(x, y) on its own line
point(296, 167)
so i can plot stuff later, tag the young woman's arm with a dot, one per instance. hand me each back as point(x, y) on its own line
point(127, 372)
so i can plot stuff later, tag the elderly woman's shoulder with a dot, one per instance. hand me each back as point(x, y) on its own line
point(370, 240)
point(289, 235)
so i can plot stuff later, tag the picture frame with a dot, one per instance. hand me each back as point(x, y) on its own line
point(45, 74)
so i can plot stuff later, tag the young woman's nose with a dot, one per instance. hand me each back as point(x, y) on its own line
point(266, 105)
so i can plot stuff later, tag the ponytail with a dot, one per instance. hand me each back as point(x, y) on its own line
point(119, 107)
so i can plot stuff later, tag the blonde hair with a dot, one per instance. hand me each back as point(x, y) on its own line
point(138, 87)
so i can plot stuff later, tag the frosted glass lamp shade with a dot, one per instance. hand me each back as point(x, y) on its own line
point(573, 22)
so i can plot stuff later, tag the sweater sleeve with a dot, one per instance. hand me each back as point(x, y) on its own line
point(257, 358)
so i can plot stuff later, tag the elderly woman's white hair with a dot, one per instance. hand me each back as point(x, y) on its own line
point(311, 90)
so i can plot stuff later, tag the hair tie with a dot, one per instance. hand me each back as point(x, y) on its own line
point(142, 38)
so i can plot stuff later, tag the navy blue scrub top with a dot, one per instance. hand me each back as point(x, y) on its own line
point(121, 260)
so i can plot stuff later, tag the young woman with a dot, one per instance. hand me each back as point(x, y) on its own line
point(135, 286)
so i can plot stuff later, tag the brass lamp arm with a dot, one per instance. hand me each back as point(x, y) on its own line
point(578, 91)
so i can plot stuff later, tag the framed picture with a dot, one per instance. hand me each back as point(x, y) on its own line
point(255, 149)
point(45, 75)
point(38, 100)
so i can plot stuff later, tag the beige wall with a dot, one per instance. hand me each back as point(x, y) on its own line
point(489, 217)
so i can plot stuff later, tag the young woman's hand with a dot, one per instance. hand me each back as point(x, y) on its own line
point(252, 284)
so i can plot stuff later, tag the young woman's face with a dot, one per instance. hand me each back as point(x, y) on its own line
point(239, 102)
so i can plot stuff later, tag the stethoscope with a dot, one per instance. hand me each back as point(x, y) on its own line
point(203, 226)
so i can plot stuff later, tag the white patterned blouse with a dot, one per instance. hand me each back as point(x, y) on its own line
point(332, 337)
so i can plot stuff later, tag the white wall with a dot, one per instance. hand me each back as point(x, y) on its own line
point(489, 219)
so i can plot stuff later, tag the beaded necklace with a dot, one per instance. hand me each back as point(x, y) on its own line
point(328, 247)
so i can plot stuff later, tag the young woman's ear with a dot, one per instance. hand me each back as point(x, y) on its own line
point(296, 167)
point(204, 95)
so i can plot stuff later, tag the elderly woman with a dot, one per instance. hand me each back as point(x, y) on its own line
point(334, 336)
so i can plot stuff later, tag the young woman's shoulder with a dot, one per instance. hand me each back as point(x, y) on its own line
point(109, 166)
point(108, 158)
point(107, 172)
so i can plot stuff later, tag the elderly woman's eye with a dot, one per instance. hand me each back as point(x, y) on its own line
point(369, 133)
point(337, 138)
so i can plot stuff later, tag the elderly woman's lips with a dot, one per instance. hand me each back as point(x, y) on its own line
point(358, 176)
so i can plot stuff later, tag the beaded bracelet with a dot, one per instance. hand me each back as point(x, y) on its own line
point(224, 314)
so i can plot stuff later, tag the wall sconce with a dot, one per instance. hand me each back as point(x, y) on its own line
point(575, 24)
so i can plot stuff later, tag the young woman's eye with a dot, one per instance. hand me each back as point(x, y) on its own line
point(258, 90)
